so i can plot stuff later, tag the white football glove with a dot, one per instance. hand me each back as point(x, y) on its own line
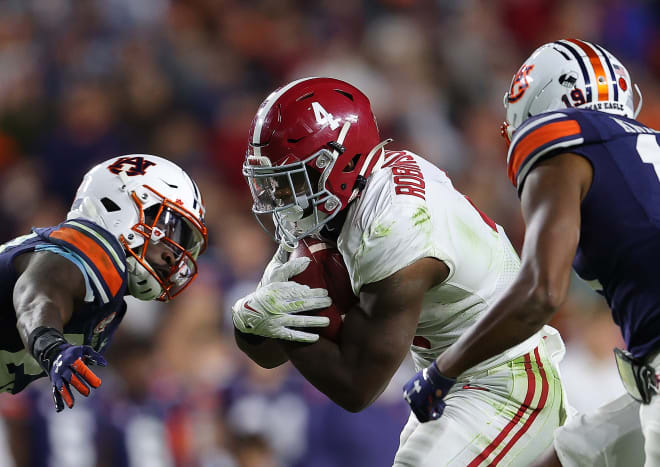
point(279, 270)
point(271, 310)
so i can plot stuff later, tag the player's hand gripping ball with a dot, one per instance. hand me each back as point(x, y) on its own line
point(328, 271)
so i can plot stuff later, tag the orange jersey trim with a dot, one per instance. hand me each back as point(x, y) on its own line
point(537, 138)
point(601, 77)
point(95, 253)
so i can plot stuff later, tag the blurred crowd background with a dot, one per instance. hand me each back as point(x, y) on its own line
point(82, 81)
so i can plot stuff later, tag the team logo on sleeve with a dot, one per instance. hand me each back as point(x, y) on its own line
point(132, 165)
point(520, 83)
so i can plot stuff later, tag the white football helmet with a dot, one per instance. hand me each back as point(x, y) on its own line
point(146, 200)
point(569, 73)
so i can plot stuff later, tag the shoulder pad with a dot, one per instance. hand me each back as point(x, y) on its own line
point(105, 259)
point(539, 136)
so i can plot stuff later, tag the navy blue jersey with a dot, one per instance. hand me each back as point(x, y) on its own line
point(619, 248)
point(101, 260)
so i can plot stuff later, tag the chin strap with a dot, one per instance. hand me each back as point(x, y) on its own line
point(141, 283)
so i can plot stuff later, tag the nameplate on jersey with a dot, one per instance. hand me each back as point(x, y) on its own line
point(408, 177)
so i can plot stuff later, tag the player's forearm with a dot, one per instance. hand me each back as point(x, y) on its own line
point(265, 352)
point(520, 313)
point(551, 208)
point(45, 292)
point(338, 376)
point(33, 310)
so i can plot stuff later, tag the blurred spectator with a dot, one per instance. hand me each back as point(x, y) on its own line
point(304, 428)
point(86, 130)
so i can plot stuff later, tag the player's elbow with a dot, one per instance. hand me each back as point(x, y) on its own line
point(354, 397)
point(262, 351)
point(540, 293)
point(354, 408)
point(354, 402)
point(544, 300)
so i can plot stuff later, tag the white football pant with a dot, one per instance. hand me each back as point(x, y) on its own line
point(503, 416)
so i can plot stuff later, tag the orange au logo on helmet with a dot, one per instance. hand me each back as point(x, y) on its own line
point(520, 83)
point(137, 165)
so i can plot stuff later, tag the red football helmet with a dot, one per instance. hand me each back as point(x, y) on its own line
point(312, 146)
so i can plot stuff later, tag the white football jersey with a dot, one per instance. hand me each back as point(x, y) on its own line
point(410, 210)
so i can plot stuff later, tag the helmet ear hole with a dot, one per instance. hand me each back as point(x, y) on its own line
point(110, 205)
point(351, 164)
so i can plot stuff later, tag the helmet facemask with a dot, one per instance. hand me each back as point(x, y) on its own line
point(165, 264)
point(291, 200)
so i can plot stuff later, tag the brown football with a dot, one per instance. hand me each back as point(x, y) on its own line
point(328, 271)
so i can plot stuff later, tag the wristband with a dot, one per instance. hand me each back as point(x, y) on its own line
point(440, 381)
point(43, 344)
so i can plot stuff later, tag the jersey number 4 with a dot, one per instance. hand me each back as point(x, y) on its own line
point(649, 151)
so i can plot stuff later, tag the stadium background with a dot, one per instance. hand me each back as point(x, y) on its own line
point(81, 81)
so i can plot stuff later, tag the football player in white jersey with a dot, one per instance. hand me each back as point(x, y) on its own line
point(423, 261)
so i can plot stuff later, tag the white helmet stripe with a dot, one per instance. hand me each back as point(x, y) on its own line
point(265, 108)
